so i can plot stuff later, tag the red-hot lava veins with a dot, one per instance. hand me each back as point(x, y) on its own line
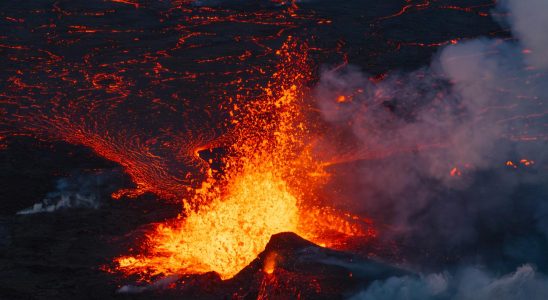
point(103, 85)
point(253, 107)
point(225, 79)
point(268, 185)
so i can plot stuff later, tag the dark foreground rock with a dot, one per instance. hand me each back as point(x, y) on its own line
point(289, 268)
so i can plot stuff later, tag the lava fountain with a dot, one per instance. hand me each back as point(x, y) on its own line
point(267, 185)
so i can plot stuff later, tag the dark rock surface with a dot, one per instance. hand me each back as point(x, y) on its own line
point(300, 269)
point(59, 255)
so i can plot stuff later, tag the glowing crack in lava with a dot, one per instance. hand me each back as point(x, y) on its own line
point(267, 187)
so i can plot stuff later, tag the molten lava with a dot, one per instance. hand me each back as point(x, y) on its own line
point(267, 187)
point(131, 102)
point(226, 235)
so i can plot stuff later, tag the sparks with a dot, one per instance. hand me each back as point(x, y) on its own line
point(264, 190)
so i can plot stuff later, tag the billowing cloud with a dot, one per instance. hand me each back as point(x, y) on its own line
point(467, 284)
point(452, 156)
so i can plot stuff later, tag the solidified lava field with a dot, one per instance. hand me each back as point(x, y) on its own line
point(168, 149)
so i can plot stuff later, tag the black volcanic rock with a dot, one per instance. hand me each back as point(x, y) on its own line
point(302, 270)
point(310, 271)
point(150, 71)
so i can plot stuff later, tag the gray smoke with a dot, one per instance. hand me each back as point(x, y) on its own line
point(88, 191)
point(466, 284)
point(529, 23)
point(451, 157)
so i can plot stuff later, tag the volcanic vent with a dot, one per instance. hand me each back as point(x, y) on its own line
point(267, 185)
point(273, 149)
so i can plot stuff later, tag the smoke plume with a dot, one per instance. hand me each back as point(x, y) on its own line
point(79, 191)
point(529, 23)
point(466, 284)
point(450, 157)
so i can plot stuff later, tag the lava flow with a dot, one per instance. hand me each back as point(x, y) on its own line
point(267, 186)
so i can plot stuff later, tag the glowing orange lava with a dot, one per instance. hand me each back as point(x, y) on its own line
point(270, 263)
point(268, 187)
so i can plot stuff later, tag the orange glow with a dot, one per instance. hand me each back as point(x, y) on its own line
point(341, 99)
point(127, 2)
point(524, 162)
point(225, 235)
point(527, 162)
point(270, 263)
point(268, 186)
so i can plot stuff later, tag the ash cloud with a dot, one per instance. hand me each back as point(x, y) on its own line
point(451, 157)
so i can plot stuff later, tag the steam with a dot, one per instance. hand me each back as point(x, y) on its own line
point(467, 284)
point(87, 191)
point(452, 157)
point(529, 23)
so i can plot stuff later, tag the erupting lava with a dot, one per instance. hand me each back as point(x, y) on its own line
point(267, 186)
point(226, 235)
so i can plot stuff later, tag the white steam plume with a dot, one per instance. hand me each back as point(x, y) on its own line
point(80, 191)
point(434, 143)
point(468, 284)
point(529, 23)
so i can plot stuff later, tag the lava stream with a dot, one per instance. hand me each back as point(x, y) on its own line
point(267, 187)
